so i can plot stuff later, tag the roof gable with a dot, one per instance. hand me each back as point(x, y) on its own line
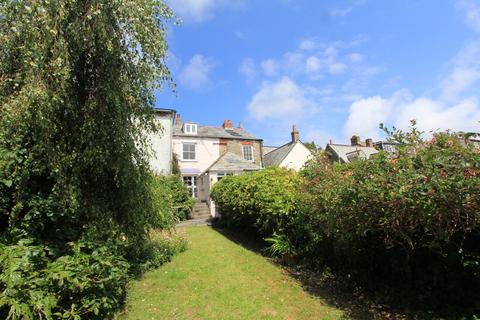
point(276, 157)
point(231, 162)
point(342, 151)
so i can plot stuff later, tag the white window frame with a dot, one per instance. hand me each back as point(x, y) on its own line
point(183, 151)
point(190, 128)
point(251, 150)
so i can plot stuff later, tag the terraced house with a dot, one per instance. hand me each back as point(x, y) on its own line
point(206, 154)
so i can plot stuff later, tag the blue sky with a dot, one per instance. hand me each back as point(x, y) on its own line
point(333, 68)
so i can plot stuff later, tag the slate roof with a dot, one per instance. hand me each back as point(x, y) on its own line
point(275, 157)
point(230, 162)
point(341, 150)
point(268, 149)
point(217, 132)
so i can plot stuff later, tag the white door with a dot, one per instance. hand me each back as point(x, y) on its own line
point(191, 183)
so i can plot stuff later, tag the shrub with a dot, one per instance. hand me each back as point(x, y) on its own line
point(172, 200)
point(264, 200)
point(410, 221)
point(87, 282)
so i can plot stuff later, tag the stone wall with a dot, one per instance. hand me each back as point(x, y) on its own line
point(236, 147)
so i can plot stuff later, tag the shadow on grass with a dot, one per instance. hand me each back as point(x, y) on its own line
point(339, 291)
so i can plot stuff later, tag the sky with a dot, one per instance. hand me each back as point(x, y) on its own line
point(333, 68)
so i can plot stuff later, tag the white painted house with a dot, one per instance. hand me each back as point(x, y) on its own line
point(292, 155)
point(161, 142)
point(206, 154)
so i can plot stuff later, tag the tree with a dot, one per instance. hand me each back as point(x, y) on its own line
point(76, 92)
point(312, 146)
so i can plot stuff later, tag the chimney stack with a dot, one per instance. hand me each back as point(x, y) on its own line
point(369, 143)
point(240, 125)
point(295, 134)
point(330, 141)
point(178, 121)
point(227, 124)
point(355, 140)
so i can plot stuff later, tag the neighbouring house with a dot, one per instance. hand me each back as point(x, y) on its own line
point(343, 153)
point(161, 142)
point(206, 154)
point(268, 149)
point(388, 146)
point(292, 155)
point(470, 138)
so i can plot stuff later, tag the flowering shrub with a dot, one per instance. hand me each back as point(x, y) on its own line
point(411, 220)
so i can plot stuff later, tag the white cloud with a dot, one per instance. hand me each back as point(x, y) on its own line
point(322, 59)
point(365, 115)
point(431, 115)
point(269, 67)
point(196, 74)
point(472, 13)
point(248, 69)
point(355, 57)
point(337, 68)
point(337, 12)
point(313, 64)
point(294, 62)
point(280, 99)
point(307, 44)
point(465, 73)
point(201, 10)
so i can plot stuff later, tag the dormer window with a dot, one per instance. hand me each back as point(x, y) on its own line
point(190, 128)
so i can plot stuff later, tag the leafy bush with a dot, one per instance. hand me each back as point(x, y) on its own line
point(264, 200)
point(76, 204)
point(172, 200)
point(89, 281)
point(410, 221)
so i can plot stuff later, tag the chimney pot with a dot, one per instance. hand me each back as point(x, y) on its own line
point(369, 142)
point(227, 124)
point(178, 121)
point(355, 140)
point(330, 141)
point(295, 134)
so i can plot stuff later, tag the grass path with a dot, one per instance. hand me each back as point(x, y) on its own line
point(218, 279)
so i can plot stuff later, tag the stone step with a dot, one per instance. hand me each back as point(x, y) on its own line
point(194, 216)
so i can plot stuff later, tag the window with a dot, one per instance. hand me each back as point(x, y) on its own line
point(222, 175)
point(355, 155)
point(248, 153)
point(389, 148)
point(189, 152)
point(190, 128)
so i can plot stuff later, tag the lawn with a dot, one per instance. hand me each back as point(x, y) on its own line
point(219, 279)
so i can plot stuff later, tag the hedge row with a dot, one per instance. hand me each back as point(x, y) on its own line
point(262, 200)
point(411, 222)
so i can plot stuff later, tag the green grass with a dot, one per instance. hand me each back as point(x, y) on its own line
point(218, 279)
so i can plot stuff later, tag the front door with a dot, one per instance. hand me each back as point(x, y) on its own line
point(191, 183)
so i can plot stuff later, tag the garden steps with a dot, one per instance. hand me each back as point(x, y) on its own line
point(200, 211)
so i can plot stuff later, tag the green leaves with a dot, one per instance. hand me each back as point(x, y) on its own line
point(76, 93)
point(264, 200)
